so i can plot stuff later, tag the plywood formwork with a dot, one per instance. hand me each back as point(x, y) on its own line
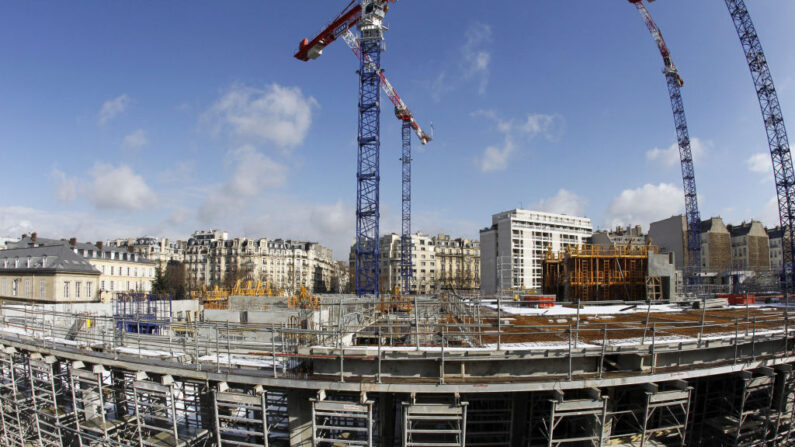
point(594, 272)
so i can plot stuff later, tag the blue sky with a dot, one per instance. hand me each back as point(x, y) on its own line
point(120, 119)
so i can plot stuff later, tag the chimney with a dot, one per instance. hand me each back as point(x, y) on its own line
point(33, 237)
point(24, 235)
point(72, 242)
point(99, 245)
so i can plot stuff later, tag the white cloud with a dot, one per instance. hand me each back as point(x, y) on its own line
point(119, 187)
point(113, 107)
point(769, 213)
point(86, 226)
point(646, 204)
point(136, 139)
point(275, 114)
point(471, 62)
point(760, 163)
point(475, 58)
point(670, 157)
point(65, 187)
point(252, 173)
point(564, 202)
point(496, 157)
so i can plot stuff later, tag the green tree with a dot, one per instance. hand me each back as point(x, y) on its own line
point(159, 285)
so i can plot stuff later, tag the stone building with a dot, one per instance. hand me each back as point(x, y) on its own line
point(160, 251)
point(47, 273)
point(119, 269)
point(776, 243)
point(750, 246)
point(619, 237)
point(438, 262)
point(459, 262)
point(715, 246)
point(212, 258)
point(670, 235)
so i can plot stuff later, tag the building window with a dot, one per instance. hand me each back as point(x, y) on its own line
point(88, 290)
point(77, 289)
point(42, 289)
point(111, 270)
point(3, 287)
point(66, 289)
point(27, 288)
point(111, 285)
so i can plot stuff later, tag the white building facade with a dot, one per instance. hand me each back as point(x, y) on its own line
point(513, 249)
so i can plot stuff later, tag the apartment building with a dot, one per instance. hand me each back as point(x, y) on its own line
point(211, 258)
point(750, 246)
point(514, 247)
point(775, 238)
point(160, 251)
point(459, 262)
point(438, 262)
point(619, 237)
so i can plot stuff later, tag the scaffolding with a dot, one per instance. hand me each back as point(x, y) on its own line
point(16, 403)
point(47, 391)
point(95, 422)
point(142, 313)
point(241, 419)
point(434, 421)
point(738, 412)
point(575, 417)
point(338, 422)
point(598, 273)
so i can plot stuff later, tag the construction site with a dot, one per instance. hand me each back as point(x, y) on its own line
point(619, 349)
point(434, 371)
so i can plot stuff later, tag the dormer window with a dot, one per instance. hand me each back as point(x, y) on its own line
point(16, 262)
point(27, 263)
point(44, 261)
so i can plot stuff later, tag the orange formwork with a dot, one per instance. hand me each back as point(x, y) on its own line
point(598, 273)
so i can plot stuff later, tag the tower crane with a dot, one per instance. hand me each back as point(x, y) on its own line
point(774, 127)
point(692, 215)
point(367, 209)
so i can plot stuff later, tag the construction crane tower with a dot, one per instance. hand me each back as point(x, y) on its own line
point(692, 215)
point(369, 17)
point(774, 127)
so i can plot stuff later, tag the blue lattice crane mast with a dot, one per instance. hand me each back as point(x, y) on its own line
point(774, 126)
point(402, 113)
point(369, 17)
point(693, 217)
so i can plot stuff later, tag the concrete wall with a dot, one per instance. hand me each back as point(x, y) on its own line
point(488, 262)
point(669, 236)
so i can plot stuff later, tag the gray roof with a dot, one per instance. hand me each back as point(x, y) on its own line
point(81, 247)
point(44, 258)
point(775, 233)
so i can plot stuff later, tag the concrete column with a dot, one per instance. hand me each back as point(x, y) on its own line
point(386, 418)
point(299, 413)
